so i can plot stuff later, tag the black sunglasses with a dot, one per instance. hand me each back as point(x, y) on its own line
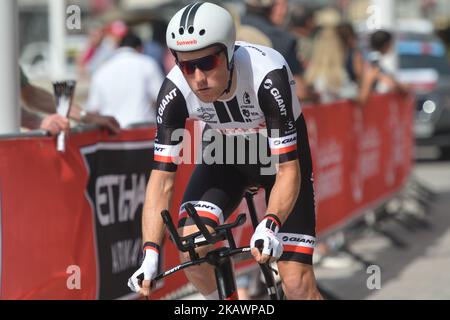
point(204, 64)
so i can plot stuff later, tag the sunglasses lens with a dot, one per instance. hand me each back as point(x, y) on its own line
point(205, 64)
point(208, 63)
point(187, 67)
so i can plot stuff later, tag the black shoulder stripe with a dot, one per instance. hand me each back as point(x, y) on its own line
point(275, 97)
point(193, 13)
point(185, 14)
point(172, 109)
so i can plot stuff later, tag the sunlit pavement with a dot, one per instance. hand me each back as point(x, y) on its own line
point(418, 271)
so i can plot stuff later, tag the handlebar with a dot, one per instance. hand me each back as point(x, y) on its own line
point(197, 262)
point(223, 232)
point(192, 241)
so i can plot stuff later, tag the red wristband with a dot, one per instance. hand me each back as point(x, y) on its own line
point(273, 218)
point(152, 246)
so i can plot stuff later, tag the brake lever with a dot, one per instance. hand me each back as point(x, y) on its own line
point(259, 245)
point(152, 284)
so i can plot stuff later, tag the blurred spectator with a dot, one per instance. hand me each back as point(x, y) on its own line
point(103, 41)
point(38, 100)
point(258, 16)
point(375, 78)
point(156, 47)
point(326, 71)
point(252, 35)
point(327, 17)
point(354, 61)
point(259, 13)
point(127, 85)
point(303, 25)
point(247, 33)
point(96, 34)
point(279, 13)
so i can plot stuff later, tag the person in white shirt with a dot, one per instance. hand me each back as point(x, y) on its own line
point(127, 85)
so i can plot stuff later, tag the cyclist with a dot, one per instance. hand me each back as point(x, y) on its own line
point(238, 89)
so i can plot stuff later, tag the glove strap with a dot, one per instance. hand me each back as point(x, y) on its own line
point(152, 246)
point(273, 222)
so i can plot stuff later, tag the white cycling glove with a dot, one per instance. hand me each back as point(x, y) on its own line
point(265, 237)
point(148, 268)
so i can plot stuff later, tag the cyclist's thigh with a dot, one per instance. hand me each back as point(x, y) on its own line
point(215, 191)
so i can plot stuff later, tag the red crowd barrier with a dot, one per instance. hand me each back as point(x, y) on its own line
point(70, 222)
point(360, 156)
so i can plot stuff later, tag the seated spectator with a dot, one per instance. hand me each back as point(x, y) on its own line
point(127, 85)
point(326, 71)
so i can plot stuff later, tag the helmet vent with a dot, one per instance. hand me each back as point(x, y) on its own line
point(191, 30)
point(173, 35)
point(202, 32)
point(181, 31)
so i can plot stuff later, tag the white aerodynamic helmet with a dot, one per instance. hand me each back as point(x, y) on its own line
point(200, 25)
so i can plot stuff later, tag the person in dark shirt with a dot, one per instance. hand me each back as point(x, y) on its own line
point(302, 24)
point(258, 14)
point(354, 60)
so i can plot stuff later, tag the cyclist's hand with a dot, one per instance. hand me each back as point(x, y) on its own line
point(265, 238)
point(148, 268)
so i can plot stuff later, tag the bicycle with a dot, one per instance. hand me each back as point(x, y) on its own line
point(220, 258)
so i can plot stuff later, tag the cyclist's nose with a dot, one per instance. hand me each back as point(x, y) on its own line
point(199, 77)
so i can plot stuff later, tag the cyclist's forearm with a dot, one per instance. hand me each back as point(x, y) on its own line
point(158, 197)
point(285, 190)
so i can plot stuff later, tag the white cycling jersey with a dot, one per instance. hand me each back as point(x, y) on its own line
point(265, 97)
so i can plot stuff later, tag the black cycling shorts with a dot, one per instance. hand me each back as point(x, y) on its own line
point(216, 191)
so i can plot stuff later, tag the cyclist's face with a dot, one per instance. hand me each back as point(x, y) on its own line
point(205, 71)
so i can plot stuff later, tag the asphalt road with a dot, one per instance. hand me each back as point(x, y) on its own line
point(419, 270)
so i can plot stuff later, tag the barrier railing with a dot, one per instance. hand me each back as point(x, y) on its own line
point(70, 222)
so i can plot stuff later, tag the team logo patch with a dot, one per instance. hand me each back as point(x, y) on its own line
point(268, 84)
point(187, 43)
point(246, 98)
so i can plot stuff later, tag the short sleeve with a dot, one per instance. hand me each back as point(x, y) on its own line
point(171, 115)
point(275, 99)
